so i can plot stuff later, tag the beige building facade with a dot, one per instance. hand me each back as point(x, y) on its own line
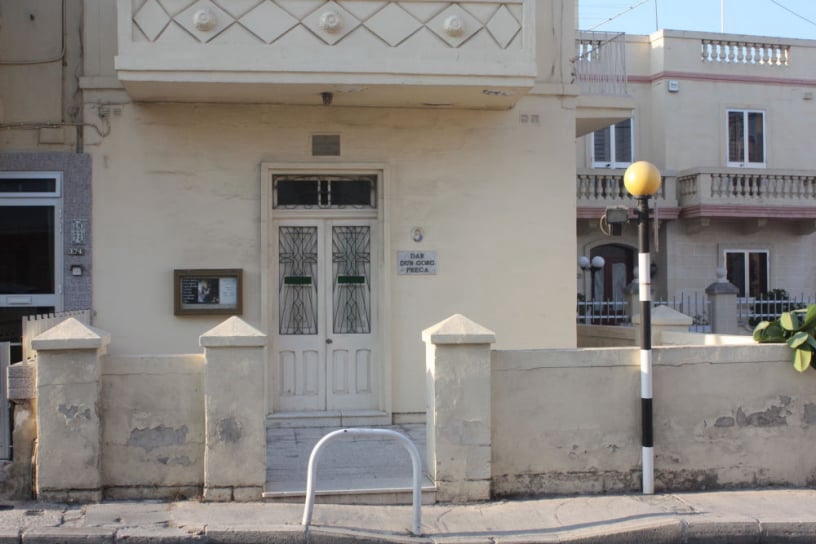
point(265, 202)
point(726, 118)
point(368, 167)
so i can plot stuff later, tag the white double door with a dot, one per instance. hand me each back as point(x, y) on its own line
point(325, 333)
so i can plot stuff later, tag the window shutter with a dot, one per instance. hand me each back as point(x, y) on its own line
point(601, 146)
point(623, 141)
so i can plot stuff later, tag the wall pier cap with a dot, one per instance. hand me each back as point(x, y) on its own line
point(663, 316)
point(71, 334)
point(233, 332)
point(458, 329)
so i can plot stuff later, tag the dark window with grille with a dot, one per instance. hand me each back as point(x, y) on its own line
point(325, 191)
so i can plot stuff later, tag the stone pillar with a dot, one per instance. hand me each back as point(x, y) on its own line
point(664, 319)
point(458, 413)
point(235, 412)
point(69, 434)
point(723, 296)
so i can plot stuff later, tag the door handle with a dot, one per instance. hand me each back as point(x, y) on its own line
point(329, 340)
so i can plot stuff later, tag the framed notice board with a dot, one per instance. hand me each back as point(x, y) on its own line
point(208, 291)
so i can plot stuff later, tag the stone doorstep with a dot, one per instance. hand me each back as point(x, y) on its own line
point(358, 490)
point(361, 496)
point(353, 470)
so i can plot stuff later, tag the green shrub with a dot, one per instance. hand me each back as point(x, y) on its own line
point(796, 328)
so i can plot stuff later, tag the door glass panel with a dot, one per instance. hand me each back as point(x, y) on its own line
point(297, 286)
point(324, 191)
point(27, 249)
point(757, 274)
point(296, 192)
point(351, 288)
point(352, 192)
point(735, 269)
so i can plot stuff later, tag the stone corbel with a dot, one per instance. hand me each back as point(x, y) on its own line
point(694, 226)
point(755, 225)
point(808, 226)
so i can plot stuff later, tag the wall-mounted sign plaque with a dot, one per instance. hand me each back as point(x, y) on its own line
point(208, 291)
point(413, 263)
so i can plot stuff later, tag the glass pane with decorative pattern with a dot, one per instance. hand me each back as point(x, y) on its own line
point(351, 268)
point(297, 289)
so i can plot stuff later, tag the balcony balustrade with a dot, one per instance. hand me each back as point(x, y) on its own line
point(733, 192)
point(478, 53)
point(598, 189)
point(745, 52)
point(709, 192)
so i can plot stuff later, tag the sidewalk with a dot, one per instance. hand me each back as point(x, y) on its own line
point(777, 515)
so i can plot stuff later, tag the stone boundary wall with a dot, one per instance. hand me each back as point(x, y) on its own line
point(149, 426)
point(605, 336)
point(568, 421)
point(152, 426)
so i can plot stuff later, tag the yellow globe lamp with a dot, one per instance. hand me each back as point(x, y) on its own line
point(641, 179)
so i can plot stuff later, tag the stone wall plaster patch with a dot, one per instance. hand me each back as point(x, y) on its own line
point(810, 414)
point(73, 412)
point(229, 430)
point(157, 437)
point(182, 460)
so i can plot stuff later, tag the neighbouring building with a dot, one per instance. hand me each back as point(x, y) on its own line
point(727, 120)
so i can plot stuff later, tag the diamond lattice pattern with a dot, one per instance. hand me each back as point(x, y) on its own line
point(268, 21)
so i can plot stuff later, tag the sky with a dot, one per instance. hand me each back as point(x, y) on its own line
point(754, 17)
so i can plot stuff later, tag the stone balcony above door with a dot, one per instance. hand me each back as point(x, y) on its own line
point(468, 54)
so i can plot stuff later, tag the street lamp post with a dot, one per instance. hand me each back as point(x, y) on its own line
point(642, 180)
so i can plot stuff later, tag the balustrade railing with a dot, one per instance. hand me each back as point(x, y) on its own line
point(606, 186)
point(599, 65)
point(744, 186)
point(739, 52)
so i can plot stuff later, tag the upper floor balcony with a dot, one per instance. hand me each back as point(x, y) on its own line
point(597, 189)
point(599, 70)
point(702, 194)
point(474, 54)
point(743, 193)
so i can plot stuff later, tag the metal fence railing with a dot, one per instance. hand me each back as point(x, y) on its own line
point(616, 312)
point(750, 310)
point(767, 307)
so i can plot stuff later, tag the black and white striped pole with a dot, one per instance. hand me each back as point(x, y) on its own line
point(642, 180)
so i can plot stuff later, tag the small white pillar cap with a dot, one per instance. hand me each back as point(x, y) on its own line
point(71, 334)
point(234, 332)
point(663, 315)
point(458, 329)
